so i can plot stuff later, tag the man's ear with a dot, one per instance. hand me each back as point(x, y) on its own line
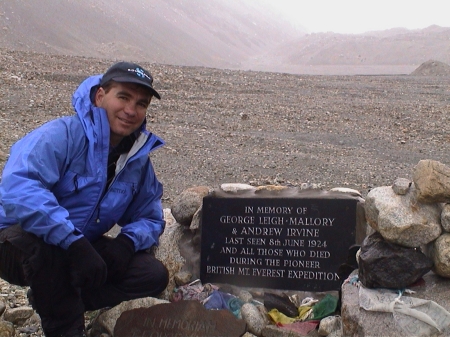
point(99, 96)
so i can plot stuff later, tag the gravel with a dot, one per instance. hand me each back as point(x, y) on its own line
point(223, 126)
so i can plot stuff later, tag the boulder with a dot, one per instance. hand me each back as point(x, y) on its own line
point(329, 325)
point(432, 181)
point(445, 218)
point(18, 315)
point(168, 252)
point(402, 219)
point(252, 316)
point(7, 329)
point(187, 203)
point(440, 254)
point(386, 265)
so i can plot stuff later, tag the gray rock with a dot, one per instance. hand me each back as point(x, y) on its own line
point(245, 296)
point(6, 329)
point(432, 181)
point(440, 254)
point(253, 318)
point(168, 252)
point(187, 203)
point(18, 315)
point(445, 218)
point(182, 278)
point(2, 305)
point(401, 186)
point(248, 334)
point(264, 313)
point(337, 333)
point(330, 324)
point(34, 319)
point(362, 228)
point(401, 219)
point(196, 220)
point(386, 265)
point(189, 246)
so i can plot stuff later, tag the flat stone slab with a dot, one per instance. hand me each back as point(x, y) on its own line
point(178, 319)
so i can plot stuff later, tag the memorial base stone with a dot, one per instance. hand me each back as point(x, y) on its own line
point(178, 319)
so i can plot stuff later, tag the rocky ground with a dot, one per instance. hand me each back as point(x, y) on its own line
point(252, 127)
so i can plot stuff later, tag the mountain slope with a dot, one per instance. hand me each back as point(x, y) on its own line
point(194, 32)
point(233, 34)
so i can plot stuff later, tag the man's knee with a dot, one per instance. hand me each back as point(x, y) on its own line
point(163, 275)
point(149, 273)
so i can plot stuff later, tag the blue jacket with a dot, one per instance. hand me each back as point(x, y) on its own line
point(55, 179)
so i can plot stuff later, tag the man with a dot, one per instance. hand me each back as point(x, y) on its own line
point(70, 181)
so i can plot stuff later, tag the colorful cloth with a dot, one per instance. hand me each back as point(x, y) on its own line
point(193, 291)
point(221, 300)
point(325, 307)
point(302, 328)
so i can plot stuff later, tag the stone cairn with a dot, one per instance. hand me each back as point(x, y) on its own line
point(411, 220)
point(406, 250)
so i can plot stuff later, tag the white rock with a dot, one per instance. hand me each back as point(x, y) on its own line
point(350, 191)
point(236, 187)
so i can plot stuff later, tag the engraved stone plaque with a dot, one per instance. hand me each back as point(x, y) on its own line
point(294, 241)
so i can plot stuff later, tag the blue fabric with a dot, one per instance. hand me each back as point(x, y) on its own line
point(221, 300)
point(54, 181)
point(216, 301)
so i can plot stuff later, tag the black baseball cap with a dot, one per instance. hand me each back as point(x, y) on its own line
point(132, 73)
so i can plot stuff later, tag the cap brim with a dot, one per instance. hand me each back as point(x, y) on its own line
point(128, 80)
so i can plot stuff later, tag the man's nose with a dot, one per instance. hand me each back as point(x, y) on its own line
point(130, 109)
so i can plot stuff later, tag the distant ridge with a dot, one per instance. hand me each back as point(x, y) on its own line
point(432, 68)
point(224, 34)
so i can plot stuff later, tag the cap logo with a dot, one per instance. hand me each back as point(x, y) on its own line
point(140, 72)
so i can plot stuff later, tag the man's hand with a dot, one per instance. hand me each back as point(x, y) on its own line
point(117, 254)
point(87, 268)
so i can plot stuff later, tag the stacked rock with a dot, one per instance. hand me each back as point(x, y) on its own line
point(411, 221)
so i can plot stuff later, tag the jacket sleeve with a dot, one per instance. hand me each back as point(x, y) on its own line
point(32, 169)
point(144, 221)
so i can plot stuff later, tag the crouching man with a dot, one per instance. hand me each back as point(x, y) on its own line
point(69, 182)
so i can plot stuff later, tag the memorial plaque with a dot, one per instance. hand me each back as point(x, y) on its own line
point(178, 319)
point(282, 241)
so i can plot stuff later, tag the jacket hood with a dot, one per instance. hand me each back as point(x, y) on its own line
point(81, 100)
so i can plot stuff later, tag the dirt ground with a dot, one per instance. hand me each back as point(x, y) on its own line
point(249, 127)
point(224, 126)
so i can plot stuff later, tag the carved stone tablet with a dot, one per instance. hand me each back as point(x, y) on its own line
point(283, 240)
point(178, 319)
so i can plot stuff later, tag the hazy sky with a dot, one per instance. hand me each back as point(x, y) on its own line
point(359, 16)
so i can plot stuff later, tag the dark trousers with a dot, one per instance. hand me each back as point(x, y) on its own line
point(26, 260)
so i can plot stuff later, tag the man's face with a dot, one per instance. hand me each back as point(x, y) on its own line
point(126, 105)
